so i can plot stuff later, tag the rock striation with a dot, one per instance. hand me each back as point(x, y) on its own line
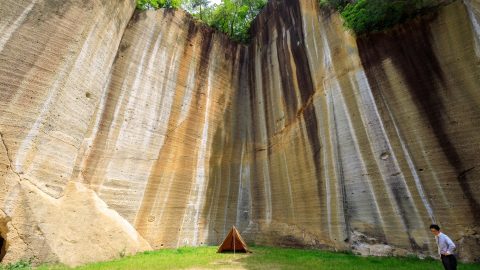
point(55, 59)
point(363, 139)
point(123, 131)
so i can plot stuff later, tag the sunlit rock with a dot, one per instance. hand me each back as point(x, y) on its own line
point(123, 131)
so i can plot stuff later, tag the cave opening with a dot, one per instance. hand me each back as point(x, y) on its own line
point(3, 247)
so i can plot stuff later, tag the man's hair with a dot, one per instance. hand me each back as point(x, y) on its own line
point(435, 226)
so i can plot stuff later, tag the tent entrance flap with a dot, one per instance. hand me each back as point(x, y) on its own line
point(233, 242)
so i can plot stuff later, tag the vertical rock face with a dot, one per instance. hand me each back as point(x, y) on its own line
point(365, 142)
point(148, 151)
point(55, 59)
point(151, 131)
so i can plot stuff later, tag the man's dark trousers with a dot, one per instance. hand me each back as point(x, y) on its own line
point(449, 262)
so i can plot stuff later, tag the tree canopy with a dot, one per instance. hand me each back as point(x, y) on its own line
point(364, 16)
point(232, 17)
point(154, 4)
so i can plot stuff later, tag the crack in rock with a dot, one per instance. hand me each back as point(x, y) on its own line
point(8, 156)
point(29, 249)
point(20, 178)
point(7, 217)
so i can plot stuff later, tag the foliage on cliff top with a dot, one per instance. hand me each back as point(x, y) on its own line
point(233, 17)
point(154, 4)
point(364, 16)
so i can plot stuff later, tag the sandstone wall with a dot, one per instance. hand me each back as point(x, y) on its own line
point(365, 142)
point(55, 58)
point(167, 133)
point(150, 146)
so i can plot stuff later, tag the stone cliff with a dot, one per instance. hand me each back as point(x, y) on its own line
point(124, 131)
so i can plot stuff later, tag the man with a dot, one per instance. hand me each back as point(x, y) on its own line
point(445, 248)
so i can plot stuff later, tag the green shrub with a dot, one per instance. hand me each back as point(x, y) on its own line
point(154, 4)
point(363, 16)
point(232, 17)
point(20, 265)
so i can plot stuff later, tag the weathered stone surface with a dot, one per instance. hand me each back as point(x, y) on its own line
point(468, 248)
point(151, 141)
point(306, 137)
point(74, 229)
point(55, 58)
point(376, 135)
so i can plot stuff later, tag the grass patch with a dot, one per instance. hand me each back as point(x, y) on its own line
point(181, 258)
point(278, 258)
point(262, 258)
point(20, 265)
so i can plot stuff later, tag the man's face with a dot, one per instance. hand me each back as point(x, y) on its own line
point(435, 232)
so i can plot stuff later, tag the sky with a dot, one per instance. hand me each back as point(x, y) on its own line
point(215, 1)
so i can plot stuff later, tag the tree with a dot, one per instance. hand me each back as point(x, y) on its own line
point(155, 4)
point(232, 17)
point(365, 16)
point(198, 8)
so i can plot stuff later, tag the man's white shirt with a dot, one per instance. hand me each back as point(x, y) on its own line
point(445, 244)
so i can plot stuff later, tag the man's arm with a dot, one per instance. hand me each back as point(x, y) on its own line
point(450, 245)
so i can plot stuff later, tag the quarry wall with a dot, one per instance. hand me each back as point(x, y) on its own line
point(125, 131)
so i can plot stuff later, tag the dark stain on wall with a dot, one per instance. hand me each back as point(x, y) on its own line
point(286, 77)
point(409, 47)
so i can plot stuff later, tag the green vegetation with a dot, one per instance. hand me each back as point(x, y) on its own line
point(164, 259)
point(364, 16)
point(279, 258)
point(232, 17)
point(154, 4)
point(20, 265)
point(262, 258)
